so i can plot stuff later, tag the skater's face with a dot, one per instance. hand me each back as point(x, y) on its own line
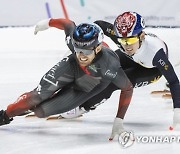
point(130, 44)
point(85, 57)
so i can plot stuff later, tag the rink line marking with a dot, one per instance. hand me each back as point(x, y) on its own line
point(48, 9)
point(64, 9)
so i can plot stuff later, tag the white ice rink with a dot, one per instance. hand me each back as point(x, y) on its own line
point(24, 58)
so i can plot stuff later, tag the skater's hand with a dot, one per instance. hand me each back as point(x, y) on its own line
point(41, 25)
point(117, 128)
point(176, 120)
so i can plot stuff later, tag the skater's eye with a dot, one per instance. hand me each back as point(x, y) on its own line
point(128, 40)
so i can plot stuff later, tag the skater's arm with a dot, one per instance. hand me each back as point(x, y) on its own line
point(124, 101)
point(163, 64)
point(126, 92)
point(60, 23)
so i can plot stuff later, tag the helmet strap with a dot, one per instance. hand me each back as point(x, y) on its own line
point(140, 39)
point(97, 49)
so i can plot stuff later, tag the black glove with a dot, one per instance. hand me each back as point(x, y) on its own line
point(4, 119)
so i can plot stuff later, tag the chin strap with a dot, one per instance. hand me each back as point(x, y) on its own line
point(140, 41)
point(95, 52)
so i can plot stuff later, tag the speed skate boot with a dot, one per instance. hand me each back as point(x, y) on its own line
point(4, 119)
point(79, 111)
point(74, 113)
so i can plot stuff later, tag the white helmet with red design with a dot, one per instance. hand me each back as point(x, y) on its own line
point(128, 24)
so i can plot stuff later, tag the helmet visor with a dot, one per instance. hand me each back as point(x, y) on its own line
point(84, 51)
point(128, 40)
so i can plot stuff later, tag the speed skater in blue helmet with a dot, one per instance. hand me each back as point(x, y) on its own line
point(86, 37)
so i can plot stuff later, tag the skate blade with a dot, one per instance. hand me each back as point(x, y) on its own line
point(60, 117)
point(25, 113)
point(54, 117)
point(160, 92)
point(167, 96)
point(30, 115)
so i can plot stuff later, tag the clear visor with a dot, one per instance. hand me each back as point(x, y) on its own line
point(84, 51)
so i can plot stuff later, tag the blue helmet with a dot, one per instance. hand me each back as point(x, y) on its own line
point(87, 36)
point(128, 24)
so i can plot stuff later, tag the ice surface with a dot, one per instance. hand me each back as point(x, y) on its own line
point(24, 58)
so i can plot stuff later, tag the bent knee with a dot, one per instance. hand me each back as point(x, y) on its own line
point(39, 112)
